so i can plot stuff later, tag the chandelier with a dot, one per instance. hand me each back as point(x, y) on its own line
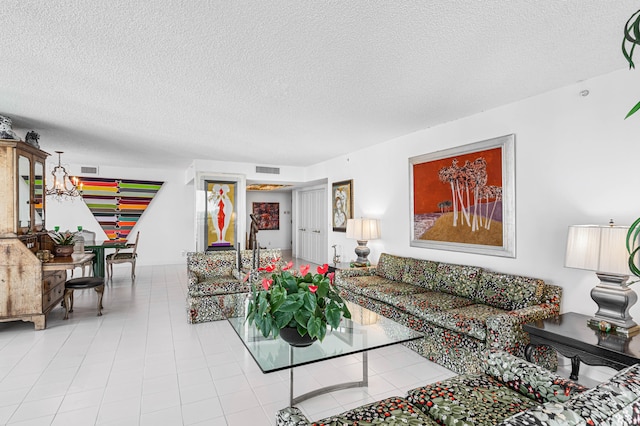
point(63, 185)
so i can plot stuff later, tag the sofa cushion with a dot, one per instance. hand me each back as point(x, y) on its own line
point(460, 280)
point(391, 267)
point(218, 285)
point(212, 264)
point(508, 292)
point(614, 402)
point(418, 303)
point(393, 411)
point(529, 379)
point(358, 284)
point(470, 399)
point(470, 320)
point(353, 284)
point(420, 272)
point(265, 257)
point(551, 413)
point(215, 308)
point(387, 291)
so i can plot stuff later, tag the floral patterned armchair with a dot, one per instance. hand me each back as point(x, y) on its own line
point(216, 289)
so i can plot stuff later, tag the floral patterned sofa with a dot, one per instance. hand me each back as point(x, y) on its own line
point(215, 288)
point(509, 391)
point(462, 310)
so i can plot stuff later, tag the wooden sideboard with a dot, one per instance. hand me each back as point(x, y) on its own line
point(28, 292)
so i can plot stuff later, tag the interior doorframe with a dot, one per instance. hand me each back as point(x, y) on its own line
point(295, 213)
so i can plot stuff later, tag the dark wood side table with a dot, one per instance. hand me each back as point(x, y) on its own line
point(346, 265)
point(570, 335)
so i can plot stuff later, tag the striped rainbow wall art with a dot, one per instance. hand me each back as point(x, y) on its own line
point(117, 204)
point(38, 191)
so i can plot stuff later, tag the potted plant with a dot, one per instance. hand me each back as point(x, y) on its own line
point(64, 242)
point(298, 302)
point(632, 246)
point(629, 42)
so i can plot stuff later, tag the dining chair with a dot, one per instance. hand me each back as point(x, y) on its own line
point(123, 255)
point(78, 248)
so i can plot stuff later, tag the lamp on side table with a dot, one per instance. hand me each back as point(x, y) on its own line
point(363, 230)
point(602, 248)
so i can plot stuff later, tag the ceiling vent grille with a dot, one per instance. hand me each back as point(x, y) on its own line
point(269, 170)
point(89, 170)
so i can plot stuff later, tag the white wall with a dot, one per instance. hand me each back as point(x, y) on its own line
point(271, 238)
point(576, 159)
point(167, 227)
point(575, 164)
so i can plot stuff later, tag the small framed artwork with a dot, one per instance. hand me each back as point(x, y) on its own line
point(463, 198)
point(267, 215)
point(342, 204)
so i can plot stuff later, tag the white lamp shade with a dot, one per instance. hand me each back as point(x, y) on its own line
point(363, 229)
point(600, 248)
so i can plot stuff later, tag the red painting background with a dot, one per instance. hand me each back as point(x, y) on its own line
point(428, 190)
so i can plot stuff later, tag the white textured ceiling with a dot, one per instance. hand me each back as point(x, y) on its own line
point(159, 83)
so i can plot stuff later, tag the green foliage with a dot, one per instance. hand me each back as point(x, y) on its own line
point(308, 302)
point(66, 238)
point(632, 246)
point(629, 42)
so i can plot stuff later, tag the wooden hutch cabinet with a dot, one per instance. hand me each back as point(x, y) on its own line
point(27, 292)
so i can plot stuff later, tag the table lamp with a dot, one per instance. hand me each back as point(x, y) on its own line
point(602, 248)
point(363, 230)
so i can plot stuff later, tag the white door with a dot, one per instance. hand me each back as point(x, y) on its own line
point(311, 230)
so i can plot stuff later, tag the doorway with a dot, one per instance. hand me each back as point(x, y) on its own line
point(311, 225)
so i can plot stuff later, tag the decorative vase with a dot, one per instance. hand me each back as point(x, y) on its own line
point(292, 337)
point(63, 251)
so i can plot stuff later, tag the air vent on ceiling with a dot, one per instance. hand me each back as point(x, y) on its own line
point(89, 170)
point(270, 170)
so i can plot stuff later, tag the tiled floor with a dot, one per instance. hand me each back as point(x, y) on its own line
point(142, 364)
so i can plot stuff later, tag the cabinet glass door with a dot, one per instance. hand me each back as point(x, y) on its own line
point(24, 189)
point(38, 196)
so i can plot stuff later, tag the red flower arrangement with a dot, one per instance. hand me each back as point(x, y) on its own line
point(308, 302)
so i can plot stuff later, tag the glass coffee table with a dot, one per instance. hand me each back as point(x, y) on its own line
point(365, 331)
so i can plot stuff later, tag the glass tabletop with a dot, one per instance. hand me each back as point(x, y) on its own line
point(365, 331)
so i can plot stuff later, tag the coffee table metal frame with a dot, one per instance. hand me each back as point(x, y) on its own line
point(365, 331)
point(330, 388)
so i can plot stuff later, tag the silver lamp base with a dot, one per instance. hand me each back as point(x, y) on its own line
point(614, 299)
point(362, 251)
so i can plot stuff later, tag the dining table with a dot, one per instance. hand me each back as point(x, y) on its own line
point(98, 248)
point(68, 263)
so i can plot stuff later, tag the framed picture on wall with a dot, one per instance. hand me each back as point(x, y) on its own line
point(463, 198)
point(342, 204)
point(267, 215)
point(220, 224)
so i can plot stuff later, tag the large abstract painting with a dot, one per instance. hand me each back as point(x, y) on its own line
point(220, 226)
point(463, 198)
point(118, 204)
point(267, 215)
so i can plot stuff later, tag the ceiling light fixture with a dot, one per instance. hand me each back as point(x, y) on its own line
point(265, 187)
point(63, 185)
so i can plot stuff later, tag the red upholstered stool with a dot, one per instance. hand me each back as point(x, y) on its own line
point(82, 283)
